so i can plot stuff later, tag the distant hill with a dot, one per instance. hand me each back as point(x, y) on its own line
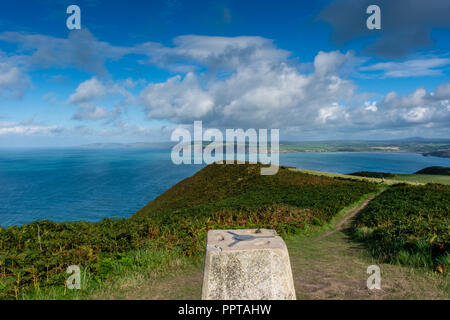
point(445, 171)
point(135, 145)
point(438, 153)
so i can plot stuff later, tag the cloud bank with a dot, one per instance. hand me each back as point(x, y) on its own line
point(232, 82)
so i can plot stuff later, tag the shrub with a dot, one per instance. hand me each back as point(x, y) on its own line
point(409, 224)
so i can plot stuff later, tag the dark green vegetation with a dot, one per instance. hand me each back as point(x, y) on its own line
point(35, 256)
point(409, 225)
point(445, 171)
point(368, 174)
point(25, 261)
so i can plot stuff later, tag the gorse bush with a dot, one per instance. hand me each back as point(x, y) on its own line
point(409, 225)
point(368, 174)
point(219, 196)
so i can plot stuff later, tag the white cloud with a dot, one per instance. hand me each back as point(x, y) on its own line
point(257, 94)
point(443, 91)
point(91, 113)
point(216, 53)
point(420, 110)
point(27, 128)
point(414, 99)
point(332, 114)
point(232, 82)
point(177, 99)
point(87, 91)
point(267, 92)
point(81, 50)
point(371, 106)
point(409, 68)
point(418, 114)
point(330, 63)
point(13, 82)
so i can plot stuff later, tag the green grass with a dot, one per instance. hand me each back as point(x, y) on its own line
point(335, 268)
point(413, 179)
point(422, 178)
point(149, 261)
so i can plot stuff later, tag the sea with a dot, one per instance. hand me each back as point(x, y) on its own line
point(91, 184)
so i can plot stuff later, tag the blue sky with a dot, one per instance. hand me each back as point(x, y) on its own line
point(138, 69)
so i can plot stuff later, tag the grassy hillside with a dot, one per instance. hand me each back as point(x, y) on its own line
point(171, 229)
point(242, 187)
point(397, 178)
point(409, 225)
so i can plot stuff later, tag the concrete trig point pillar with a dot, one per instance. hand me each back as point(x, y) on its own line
point(247, 265)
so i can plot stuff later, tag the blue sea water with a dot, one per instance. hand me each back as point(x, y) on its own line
point(91, 184)
point(347, 162)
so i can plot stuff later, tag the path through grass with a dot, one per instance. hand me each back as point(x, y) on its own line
point(335, 268)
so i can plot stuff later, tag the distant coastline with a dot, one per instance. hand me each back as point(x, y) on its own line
point(439, 154)
point(426, 147)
